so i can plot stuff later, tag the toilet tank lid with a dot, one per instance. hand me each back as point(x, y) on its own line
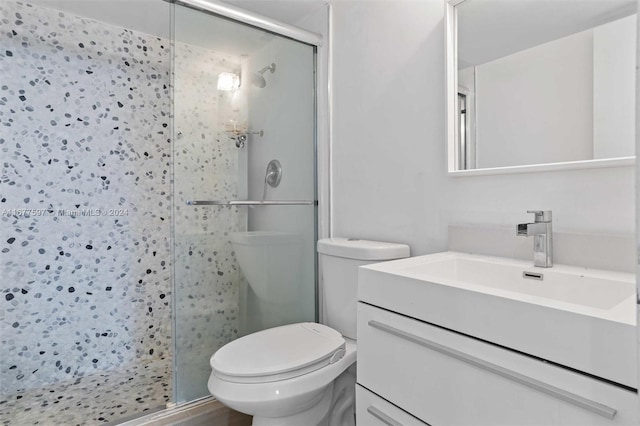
point(353, 248)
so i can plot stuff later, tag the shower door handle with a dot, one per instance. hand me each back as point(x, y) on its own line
point(254, 203)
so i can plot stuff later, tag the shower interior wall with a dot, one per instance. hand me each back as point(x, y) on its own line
point(85, 109)
point(281, 109)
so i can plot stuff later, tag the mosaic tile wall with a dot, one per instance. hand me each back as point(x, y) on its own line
point(85, 140)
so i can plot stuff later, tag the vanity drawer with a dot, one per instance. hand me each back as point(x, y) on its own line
point(445, 378)
point(371, 410)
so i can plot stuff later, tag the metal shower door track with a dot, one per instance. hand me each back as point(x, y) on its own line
point(253, 19)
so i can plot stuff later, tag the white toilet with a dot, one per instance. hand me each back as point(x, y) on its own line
point(303, 374)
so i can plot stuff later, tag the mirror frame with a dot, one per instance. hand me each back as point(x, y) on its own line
point(451, 84)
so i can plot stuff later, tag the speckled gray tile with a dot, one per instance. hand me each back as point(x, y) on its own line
point(85, 139)
point(85, 119)
point(93, 399)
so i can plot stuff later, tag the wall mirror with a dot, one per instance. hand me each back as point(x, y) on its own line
point(536, 85)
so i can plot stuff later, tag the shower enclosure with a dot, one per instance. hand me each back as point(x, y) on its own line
point(158, 201)
point(244, 187)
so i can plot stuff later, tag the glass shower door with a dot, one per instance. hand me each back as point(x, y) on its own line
point(244, 209)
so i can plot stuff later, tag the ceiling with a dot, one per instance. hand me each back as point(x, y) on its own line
point(491, 29)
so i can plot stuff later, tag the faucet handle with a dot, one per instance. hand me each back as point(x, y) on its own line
point(541, 215)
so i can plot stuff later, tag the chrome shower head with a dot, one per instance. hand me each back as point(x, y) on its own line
point(257, 79)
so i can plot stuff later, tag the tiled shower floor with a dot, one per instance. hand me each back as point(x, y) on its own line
point(89, 400)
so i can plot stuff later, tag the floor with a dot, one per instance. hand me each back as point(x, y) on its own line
point(222, 417)
point(206, 412)
point(90, 400)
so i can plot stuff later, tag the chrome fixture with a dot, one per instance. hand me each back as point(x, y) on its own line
point(542, 235)
point(239, 132)
point(257, 79)
point(272, 176)
point(241, 136)
point(240, 140)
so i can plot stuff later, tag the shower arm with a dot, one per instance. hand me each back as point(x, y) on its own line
point(271, 67)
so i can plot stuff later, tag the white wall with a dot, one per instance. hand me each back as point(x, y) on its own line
point(467, 79)
point(536, 106)
point(389, 156)
point(614, 65)
point(565, 100)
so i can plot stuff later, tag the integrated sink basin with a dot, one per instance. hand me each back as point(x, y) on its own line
point(509, 278)
point(579, 318)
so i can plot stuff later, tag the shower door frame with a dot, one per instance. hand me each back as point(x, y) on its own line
point(322, 115)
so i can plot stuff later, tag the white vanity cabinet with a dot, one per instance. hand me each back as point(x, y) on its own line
point(373, 410)
point(411, 372)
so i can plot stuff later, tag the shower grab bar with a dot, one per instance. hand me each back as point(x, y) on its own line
point(254, 203)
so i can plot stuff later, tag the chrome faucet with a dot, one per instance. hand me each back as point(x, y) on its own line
point(542, 235)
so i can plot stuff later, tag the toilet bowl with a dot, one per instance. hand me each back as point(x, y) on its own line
point(303, 374)
point(292, 383)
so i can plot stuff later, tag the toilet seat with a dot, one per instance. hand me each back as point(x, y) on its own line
point(278, 353)
point(284, 397)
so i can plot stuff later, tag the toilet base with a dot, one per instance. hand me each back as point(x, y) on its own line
point(343, 404)
point(336, 408)
point(316, 415)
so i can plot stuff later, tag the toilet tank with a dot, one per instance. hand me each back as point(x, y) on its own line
point(339, 260)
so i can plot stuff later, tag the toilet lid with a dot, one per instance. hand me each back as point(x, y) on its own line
point(278, 353)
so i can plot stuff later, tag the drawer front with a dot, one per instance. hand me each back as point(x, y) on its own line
point(371, 410)
point(444, 378)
